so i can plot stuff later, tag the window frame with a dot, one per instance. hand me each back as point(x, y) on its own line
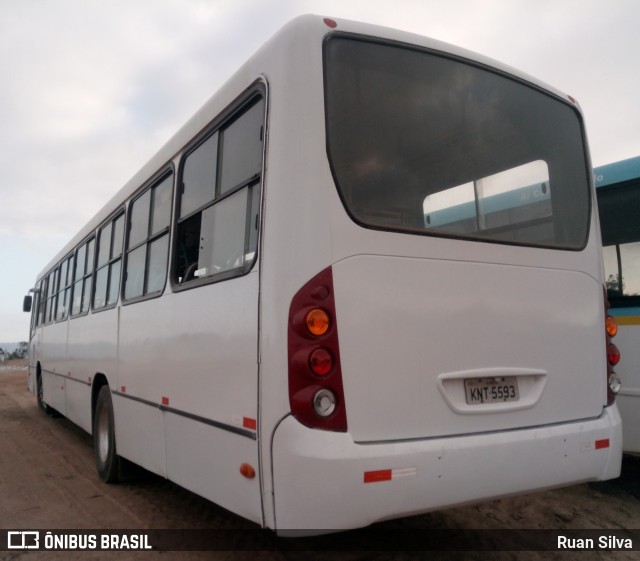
point(166, 173)
point(254, 94)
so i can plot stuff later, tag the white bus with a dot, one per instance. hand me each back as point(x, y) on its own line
point(265, 315)
point(618, 191)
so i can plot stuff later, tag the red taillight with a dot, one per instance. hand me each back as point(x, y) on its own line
point(321, 362)
point(613, 354)
point(316, 394)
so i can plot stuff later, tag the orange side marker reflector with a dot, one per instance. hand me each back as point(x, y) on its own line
point(247, 471)
point(376, 476)
point(604, 443)
point(165, 400)
point(249, 423)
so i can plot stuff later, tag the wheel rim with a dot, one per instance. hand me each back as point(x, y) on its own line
point(103, 435)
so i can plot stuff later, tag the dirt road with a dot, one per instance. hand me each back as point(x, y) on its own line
point(48, 480)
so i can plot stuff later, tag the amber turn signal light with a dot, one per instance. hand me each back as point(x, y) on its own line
point(317, 321)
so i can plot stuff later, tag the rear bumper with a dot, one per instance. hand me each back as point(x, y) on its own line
point(319, 476)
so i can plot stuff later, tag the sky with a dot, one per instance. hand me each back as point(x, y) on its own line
point(92, 89)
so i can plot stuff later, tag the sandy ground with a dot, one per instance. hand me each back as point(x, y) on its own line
point(48, 480)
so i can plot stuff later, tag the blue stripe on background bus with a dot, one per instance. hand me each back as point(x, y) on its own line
point(516, 198)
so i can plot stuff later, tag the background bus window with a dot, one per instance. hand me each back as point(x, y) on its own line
point(619, 208)
point(512, 197)
point(622, 269)
point(630, 266)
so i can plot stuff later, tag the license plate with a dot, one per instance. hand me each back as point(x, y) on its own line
point(491, 390)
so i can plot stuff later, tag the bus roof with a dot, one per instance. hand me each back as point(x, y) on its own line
point(617, 172)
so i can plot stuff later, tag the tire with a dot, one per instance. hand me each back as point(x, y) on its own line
point(104, 439)
point(40, 396)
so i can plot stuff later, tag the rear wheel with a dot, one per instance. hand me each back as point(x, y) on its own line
point(104, 438)
point(40, 396)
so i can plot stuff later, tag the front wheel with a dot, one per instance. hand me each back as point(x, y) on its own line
point(104, 438)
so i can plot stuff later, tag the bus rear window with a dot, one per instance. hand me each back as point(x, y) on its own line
point(422, 143)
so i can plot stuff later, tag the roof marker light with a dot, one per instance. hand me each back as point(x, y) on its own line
point(330, 23)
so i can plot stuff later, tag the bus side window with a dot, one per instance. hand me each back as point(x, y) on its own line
point(109, 261)
point(217, 228)
point(148, 243)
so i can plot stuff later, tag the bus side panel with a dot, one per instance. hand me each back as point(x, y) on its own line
point(146, 366)
point(53, 391)
point(54, 366)
point(628, 399)
point(188, 384)
point(78, 394)
point(94, 352)
point(206, 460)
point(137, 423)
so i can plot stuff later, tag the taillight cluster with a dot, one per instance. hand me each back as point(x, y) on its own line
point(316, 395)
point(613, 355)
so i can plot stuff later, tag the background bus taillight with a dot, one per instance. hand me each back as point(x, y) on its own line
point(316, 395)
point(613, 354)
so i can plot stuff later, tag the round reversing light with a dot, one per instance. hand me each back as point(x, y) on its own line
point(324, 402)
point(317, 321)
point(614, 383)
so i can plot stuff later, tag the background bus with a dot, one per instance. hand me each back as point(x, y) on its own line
point(264, 315)
point(618, 190)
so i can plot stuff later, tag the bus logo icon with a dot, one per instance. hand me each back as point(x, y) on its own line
point(23, 540)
